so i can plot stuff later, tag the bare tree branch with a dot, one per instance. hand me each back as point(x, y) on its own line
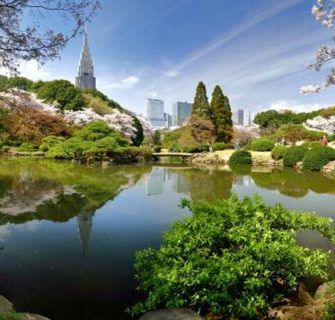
point(33, 43)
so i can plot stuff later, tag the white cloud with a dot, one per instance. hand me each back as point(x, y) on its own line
point(153, 94)
point(126, 83)
point(172, 73)
point(31, 70)
point(293, 105)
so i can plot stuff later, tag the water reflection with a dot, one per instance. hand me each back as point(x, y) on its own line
point(68, 233)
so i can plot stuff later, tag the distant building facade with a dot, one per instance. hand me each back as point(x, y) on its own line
point(181, 113)
point(155, 113)
point(238, 117)
point(243, 117)
point(168, 120)
point(85, 78)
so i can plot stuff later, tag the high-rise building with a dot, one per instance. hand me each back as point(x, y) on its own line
point(247, 118)
point(181, 113)
point(238, 117)
point(168, 120)
point(155, 113)
point(85, 78)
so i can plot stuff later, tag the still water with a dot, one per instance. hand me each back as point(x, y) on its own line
point(68, 233)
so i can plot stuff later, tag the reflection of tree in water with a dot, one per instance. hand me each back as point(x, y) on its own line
point(58, 191)
point(204, 184)
point(292, 183)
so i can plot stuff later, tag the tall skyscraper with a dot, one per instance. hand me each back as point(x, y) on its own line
point(155, 113)
point(238, 117)
point(85, 78)
point(181, 113)
point(168, 120)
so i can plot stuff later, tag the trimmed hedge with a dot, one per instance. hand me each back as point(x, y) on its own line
point(196, 149)
point(293, 155)
point(240, 157)
point(262, 144)
point(318, 157)
point(278, 152)
point(219, 146)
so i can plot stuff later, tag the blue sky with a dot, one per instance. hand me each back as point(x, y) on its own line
point(256, 50)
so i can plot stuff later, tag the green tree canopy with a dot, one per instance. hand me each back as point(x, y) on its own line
point(201, 105)
point(221, 115)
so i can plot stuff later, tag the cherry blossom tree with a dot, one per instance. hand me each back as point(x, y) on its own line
point(19, 42)
point(324, 12)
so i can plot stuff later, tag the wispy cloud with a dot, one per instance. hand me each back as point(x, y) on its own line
point(253, 20)
point(126, 83)
point(292, 105)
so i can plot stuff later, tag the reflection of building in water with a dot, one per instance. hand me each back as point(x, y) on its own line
point(180, 184)
point(84, 223)
point(243, 181)
point(155, 181)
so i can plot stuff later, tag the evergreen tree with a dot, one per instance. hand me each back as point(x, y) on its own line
point(221, 115)
point(156, 138)
point(201, 105)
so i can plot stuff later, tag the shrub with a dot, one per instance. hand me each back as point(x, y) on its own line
point(140, 153)
point(175, 148)
point(318, 157)
point(311, 144)
point(278, 152)
point(232, 258)
point(157, 148)
point(293, 155)
point(262, 144)
point(196, 148)
point(27, 147)
point(49, 142)
point(240, 157)
point(219, 146)
point(296, 132)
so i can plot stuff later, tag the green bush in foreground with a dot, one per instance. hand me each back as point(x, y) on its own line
point(240, 157)
point(262, 144)
point(293, 155)
point(232, 257)
point(219, 146)
point(27, 147)
point(318, 157)
point(278, 152)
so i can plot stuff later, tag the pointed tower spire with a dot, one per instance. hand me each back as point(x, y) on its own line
point(85, 78)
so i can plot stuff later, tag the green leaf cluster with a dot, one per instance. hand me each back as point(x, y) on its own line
point(293, 155)
point(240, 157)
point(318, 157)
point(94, 138)
point(262, 144)
point(232, 258)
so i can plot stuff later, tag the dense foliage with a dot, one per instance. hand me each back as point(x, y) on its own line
point(24, 124)
point(262, 144)
point(95, 138)
point(221, 115)
point(201, 105)
point(217, 146)
point(271, 120)
point(232, 258)
point(240, 157)
point(278, 152)
point(318, 157)
point(293, 155)
point(296, 132)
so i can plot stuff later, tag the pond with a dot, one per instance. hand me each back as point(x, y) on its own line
point(68, 233)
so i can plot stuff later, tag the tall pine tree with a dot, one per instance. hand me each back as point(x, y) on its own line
point(221, 115)
point(201, 105)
